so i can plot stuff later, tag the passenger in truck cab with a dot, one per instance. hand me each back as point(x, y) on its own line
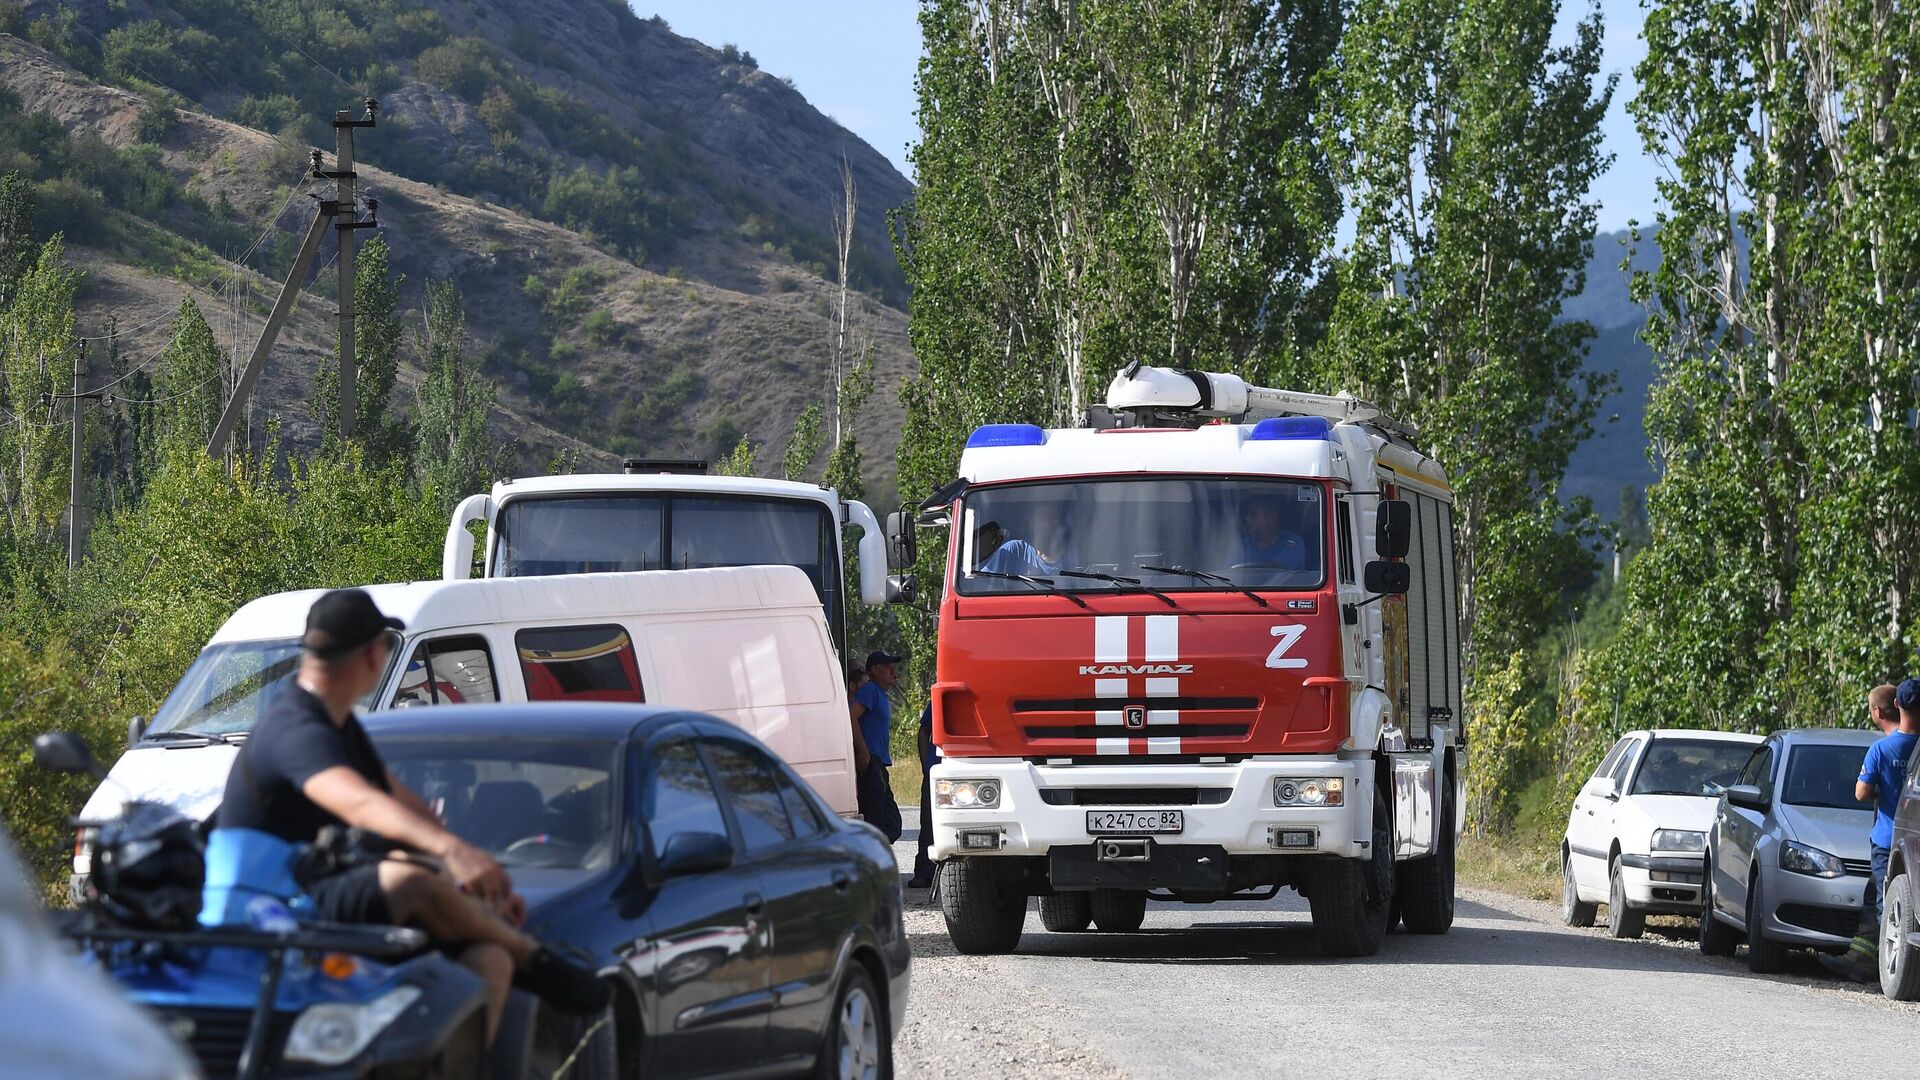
point(1037, 556)
point(1264, 538)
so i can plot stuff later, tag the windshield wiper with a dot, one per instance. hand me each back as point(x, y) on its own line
point(1204, 576)
point(198, 738)
point(1118, 580)
point(1037, 582)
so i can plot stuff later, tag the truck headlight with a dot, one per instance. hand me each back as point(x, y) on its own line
point(334, 1033)
point(1800, 859)
point(1679, 840)
point(966, 794)
point(1309, 791)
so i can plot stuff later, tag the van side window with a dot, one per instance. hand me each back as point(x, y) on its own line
point(579, 663)
point(448, 670)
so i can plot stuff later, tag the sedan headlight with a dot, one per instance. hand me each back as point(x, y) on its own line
point(1679, 840)
point(334, 1033)
point(966, 794)
point(1800, 859)
point(1309, 791)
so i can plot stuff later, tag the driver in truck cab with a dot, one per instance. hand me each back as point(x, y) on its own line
point(309, 764)
point(1037, 556)
point(1264, 538)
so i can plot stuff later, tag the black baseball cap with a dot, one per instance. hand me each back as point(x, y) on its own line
point(344, 620)
point(876, 658)
point(1908, 695)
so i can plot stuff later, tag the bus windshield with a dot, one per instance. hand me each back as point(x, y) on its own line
point(1164, 533)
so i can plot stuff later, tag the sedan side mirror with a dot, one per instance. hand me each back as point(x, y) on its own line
point(696, 853)
point(65, 752)
point(1747, 797)
point(1388, 578)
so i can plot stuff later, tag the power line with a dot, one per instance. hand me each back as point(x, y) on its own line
point(325, 68)
point(209, 381)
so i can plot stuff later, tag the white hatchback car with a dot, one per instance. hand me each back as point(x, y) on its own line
point(1636, 839)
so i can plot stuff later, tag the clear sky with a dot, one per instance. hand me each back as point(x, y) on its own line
point(854, 60)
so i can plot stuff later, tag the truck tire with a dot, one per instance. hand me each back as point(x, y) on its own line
point(1764, 955)
point(1716, 937)
point(1573, 910)
point(1066, 913)
point(982, 916)
point(1351, 898)
point(1899, 956)
point(1116, 911)
point(1623, 919)
point(1424, 891)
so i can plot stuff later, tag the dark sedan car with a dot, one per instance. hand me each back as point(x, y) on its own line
point(751, 931)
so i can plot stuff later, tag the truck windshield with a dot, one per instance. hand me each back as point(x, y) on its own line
point(230, 684)
point(1167, 534)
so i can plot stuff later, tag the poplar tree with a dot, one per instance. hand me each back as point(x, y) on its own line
point(453, 452)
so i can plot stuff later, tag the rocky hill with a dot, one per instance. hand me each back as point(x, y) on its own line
point(639, 223)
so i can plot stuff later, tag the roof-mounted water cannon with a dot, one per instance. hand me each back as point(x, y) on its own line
point(1141, 396)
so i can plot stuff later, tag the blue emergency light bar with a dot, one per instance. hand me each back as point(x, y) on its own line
point(1006, 435)
point(1286, 428)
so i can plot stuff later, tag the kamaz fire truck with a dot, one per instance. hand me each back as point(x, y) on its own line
point(1203, 649)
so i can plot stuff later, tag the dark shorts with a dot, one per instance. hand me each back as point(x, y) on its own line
point(351, 896)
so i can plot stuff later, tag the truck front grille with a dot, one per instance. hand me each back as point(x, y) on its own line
point(1037, 732)
point(1131, 796)
point(1097, 704)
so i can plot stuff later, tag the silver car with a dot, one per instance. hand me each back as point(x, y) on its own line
point(1788, 851)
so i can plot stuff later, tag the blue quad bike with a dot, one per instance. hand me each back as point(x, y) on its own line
point(278, 996)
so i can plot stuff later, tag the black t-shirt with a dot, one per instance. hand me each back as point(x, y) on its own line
point(291, 742)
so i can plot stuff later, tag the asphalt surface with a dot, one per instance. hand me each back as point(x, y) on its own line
point(1241, 990)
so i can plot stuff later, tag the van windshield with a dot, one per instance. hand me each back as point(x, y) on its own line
point(229, 685)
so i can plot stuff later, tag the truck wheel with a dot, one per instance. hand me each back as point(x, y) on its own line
point(982, 916)
point(1118, 912)
point(1573, 910)
point(1424, 891)
point(1899, 956)
point(1623, 920)
point(1716, 937)
point(1350, 898)
point(1764, 956)
point(1066, 913)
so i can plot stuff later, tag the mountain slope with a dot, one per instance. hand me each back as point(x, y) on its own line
point(1616, 456)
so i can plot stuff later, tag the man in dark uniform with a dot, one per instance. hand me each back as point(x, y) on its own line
point(308, 764)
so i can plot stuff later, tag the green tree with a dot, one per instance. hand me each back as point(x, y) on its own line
point(378, 336)
point(189, 390)
point(454, 453)
point(17, 249)
point(37, 346)
point(742, 460)
point(803, 445)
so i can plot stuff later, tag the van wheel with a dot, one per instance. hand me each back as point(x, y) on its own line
point(1351, 898)
point(982, 915)
point(1573, 910)
point(1066, 913)
point(1424, 892)
point(1899, 956)
point(1623, 920)
point(1716, 937)
point(1764, 956)
point(1118, 912)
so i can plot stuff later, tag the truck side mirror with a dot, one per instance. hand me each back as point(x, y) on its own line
point(903, 550)
point(901, 589)
point(1388, 578)
point(1393, 529)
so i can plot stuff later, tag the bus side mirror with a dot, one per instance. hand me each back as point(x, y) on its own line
point(1388, 578)
point(902, 549)
point(1393, 529)
point(901, 589)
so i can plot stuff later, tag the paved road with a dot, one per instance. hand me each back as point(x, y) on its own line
point(1240, 990)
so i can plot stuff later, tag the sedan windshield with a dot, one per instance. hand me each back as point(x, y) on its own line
point(530, 802)
point(1823, 776)
point(228, 687)
point(1700, 767)
point(1163, 534)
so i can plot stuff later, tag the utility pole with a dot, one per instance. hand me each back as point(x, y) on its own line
point(344, 215)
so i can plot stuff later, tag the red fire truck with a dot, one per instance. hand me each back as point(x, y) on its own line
point(1203, 649)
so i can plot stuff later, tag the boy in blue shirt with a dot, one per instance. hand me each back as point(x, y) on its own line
point(1882, 774)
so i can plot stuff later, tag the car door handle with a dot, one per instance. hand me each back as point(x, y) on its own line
point(755, 904)
point(841, 881)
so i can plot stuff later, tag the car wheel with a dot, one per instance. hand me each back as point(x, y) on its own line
point(858, 1043)
point(1066, 913)
point(1118, 912)
point(1899, 956)
point(1424, 892)
point(982, 916)
point(1573, 910)
point(1716, 937)
point(1623, 921)
point(1764, 955)
point(1351, 898)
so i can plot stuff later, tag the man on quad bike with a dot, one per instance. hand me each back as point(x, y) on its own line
point(308, 764)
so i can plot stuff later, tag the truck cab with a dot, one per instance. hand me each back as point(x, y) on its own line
point(668, 516)
point(1198, 661)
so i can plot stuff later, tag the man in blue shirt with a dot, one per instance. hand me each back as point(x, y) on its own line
point(1882, 774)
point(873, 711)
point(1263, 540)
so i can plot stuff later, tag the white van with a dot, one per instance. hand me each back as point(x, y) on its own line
point(748, 644)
